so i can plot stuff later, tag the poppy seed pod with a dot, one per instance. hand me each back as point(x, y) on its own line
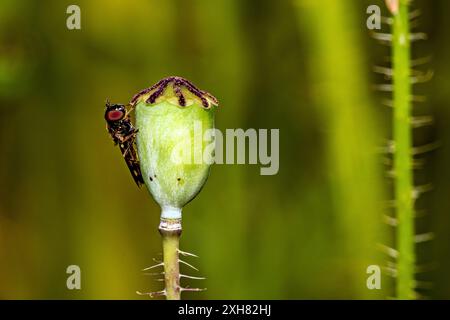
point(172, 117)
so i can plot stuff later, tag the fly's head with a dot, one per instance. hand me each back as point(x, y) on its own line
point(114, 113)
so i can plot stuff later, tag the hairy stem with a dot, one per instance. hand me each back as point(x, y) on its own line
point(170, 230)
point(403, 153)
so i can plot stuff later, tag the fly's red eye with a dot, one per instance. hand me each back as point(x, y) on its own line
point(115, 115)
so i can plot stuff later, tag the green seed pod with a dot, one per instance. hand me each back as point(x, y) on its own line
point(172, 117)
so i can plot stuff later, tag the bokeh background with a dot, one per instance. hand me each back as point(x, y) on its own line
point(303, 66)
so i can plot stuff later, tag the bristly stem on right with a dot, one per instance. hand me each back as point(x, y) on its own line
point(402, 93)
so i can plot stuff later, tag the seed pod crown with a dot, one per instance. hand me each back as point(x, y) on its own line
point(183, 93)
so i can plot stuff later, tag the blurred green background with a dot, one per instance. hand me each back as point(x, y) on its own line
point(303, 66)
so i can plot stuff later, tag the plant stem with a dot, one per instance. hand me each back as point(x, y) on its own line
point(403, 153)
point(170, 230)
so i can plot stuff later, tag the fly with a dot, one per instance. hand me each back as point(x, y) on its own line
point(123, 133)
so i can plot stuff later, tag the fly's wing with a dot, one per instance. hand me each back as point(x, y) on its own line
point(129, 154)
